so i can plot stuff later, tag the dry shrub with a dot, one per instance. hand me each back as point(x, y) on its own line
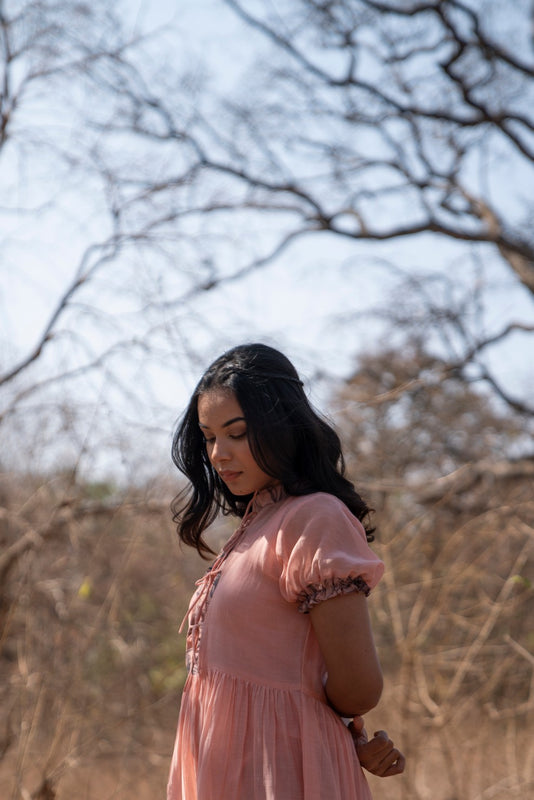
point(94, 586)
point(453, 623)
point(91, 664)
point(453, 614)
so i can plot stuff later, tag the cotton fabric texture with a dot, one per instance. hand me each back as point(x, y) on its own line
point(254, 720)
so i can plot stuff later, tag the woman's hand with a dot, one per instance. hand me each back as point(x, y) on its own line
point(379, 756)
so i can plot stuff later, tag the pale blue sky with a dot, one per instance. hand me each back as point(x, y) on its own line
point(308, 303)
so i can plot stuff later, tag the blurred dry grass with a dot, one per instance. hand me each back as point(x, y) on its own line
point(93, 588)
point(91, 662)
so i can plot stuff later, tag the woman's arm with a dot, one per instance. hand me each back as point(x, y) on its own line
point(343, 630)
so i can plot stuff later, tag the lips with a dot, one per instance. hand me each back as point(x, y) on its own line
point(228, 476)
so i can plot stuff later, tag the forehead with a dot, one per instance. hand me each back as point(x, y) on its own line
point(217, 406)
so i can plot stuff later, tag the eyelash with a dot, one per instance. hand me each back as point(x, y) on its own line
point(234, 436)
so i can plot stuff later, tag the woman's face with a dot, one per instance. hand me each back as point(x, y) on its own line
point(223, 424)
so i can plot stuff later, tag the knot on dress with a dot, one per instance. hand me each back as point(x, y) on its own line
point(206, 585)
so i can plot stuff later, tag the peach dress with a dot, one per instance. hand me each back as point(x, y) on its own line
point(254, 720)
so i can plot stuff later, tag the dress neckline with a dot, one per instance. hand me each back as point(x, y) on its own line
point(267, 496)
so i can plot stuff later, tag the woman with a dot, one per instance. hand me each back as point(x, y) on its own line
point(279, 644)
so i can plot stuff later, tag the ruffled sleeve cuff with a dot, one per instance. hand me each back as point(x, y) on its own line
point(319, 592)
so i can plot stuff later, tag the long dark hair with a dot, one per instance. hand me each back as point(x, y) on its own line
point(287, 439)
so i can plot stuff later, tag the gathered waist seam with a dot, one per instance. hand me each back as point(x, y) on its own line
point(253, 681)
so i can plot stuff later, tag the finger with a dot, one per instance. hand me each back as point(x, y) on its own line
point(359, 737)
point(397, 768)
point(393, 764)
point(372, 753)
point(378, 756)
point(372, 760)
point(381, 735)
point(379, 746)
point(357, 724)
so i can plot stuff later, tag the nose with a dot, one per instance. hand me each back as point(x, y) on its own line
point(219, 452)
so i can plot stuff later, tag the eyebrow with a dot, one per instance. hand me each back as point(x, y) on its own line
point(225, 424)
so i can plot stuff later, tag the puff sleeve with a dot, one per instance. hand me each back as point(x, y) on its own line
point(323, 552)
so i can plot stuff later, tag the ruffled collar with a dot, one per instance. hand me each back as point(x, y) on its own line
point(267, 496)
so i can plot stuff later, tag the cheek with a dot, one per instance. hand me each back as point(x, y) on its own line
point(246, 454)
point(251, 461)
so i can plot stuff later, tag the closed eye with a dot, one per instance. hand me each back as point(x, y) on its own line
point(235, 436)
